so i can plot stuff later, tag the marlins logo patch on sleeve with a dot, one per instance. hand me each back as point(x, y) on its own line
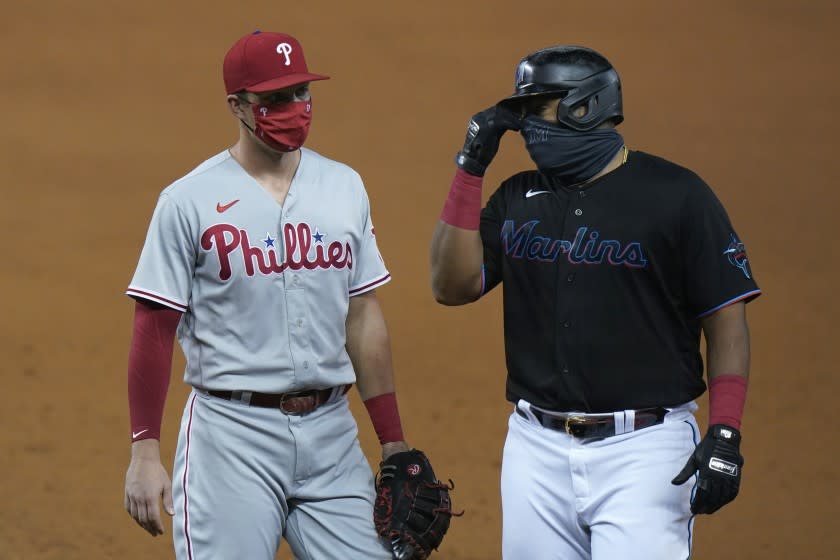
point(737, 255)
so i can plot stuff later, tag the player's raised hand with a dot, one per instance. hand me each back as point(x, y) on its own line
point(146, 482)
point(484, 133)
point(717, 462)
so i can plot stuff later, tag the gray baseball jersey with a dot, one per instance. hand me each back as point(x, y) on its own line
point(264, 289)
point(265, 292)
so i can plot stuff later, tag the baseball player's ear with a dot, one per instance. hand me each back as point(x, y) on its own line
point(237, 105)
point(580, 111)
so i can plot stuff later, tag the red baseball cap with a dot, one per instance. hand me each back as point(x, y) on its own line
point(264, 62)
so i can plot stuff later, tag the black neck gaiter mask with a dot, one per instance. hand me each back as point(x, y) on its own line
point(566, 155)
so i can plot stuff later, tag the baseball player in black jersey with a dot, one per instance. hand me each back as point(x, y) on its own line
point(612, 262)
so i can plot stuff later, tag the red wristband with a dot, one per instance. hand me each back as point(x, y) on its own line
point(727, 394)
point(385, 417)
point(462, 208)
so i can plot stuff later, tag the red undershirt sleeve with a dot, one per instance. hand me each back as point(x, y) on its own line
point(149, 367)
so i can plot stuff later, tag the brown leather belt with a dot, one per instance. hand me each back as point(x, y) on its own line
point(594, 426)
point(294, 404)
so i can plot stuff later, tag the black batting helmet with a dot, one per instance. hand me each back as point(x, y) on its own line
point(580, 76)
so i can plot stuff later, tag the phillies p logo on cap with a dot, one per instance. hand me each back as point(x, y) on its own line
point(266, 61)
point(285, 49)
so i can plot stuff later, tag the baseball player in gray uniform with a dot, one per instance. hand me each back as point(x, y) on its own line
point(264, 262)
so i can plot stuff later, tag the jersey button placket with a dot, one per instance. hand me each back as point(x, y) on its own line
point(571, 228)
point(297, 308)
point(566, 324)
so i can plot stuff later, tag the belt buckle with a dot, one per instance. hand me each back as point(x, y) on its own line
point(571, 421)
point(296, 395)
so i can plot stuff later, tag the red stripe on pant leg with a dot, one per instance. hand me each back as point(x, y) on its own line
point(184, 482)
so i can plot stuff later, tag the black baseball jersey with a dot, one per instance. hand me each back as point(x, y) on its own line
point(605, 286)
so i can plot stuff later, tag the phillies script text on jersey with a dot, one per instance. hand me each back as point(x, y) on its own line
point(228, 239)
point(522, 242)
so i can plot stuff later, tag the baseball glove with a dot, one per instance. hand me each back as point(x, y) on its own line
point(412, 509)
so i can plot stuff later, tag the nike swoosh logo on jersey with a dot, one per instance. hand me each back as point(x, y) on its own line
point(532, 192)
point(138, 434)
point(221, 208)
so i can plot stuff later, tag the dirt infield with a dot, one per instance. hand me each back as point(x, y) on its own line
point(103, 107)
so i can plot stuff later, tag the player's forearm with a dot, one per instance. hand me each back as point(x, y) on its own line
point(149, 367)
point(369, 346)
point(456, 258)
point(374, 369)
point(730, 356)
point(456, 251)
point(728, 364)
point(727, 342)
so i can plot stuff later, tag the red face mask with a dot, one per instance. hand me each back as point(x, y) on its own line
point(283, 126)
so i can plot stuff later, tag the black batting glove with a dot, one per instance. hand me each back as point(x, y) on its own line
point(483, 135)
point(717, 462)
